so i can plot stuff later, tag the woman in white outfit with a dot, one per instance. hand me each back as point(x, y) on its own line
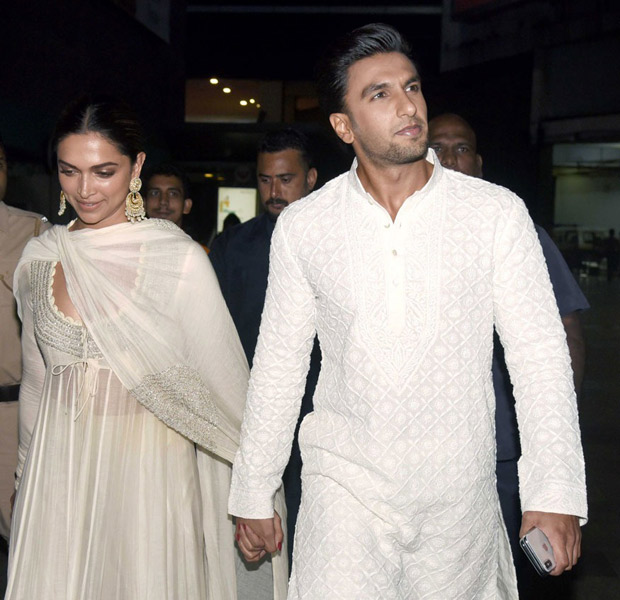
point(131, 362)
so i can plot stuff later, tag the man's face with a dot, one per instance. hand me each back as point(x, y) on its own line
point(3, 173)
point(385, 117)
point(454, 142)
point(282, 179)
point(164, 199)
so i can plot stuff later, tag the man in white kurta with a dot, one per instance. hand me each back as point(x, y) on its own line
point(399, 498)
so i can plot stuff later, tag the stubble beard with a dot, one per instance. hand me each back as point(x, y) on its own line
point(395, 154)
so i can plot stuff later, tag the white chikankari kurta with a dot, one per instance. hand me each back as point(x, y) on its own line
point(401, 442)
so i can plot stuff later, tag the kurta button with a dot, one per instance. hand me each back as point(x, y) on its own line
point(387, 225)
point(394, 252)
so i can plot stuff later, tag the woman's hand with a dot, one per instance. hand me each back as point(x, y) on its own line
point(257, 537)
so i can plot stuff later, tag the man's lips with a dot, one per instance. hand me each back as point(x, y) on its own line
point(410, 131)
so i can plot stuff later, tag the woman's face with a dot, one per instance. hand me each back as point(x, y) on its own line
point(95, 177)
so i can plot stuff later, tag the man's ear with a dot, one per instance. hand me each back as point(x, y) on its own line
point(187, 206)
point(311, 178)
point(479, 164)
point(342, 126)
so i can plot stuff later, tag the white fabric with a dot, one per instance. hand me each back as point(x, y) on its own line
point(401, 441)
point(109, 502)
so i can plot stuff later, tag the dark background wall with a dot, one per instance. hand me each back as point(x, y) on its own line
point(53, 51)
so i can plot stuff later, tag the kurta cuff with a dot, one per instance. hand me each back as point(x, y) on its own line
point(556, 498)
point(251, 504)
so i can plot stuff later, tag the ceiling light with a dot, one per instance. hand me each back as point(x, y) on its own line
point(243, 102)
point(214, 80)
point(258, 106)
point(252, 101)
point(226, 90)
point(209, 175)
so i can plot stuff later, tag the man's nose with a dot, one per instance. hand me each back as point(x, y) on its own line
point(407, 105)
point(275, 188)
point(448, 159)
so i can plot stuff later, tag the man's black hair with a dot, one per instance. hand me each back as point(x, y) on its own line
point(170, 170)
point(288, 138)
point(333, 69)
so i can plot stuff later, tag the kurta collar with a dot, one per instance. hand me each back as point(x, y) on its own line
point(429, 187)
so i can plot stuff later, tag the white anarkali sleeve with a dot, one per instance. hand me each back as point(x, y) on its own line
point(33, 371)
point(551, 468)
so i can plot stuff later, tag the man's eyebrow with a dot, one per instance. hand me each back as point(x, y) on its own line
point(375, 87)
point(276, 175)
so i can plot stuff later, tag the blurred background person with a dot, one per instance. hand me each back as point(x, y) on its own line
point(240, 257)
point(17, 227)
point(230, 221)
point(167, 194)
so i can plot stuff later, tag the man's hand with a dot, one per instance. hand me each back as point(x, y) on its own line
point(256, 537)
point(563, 532)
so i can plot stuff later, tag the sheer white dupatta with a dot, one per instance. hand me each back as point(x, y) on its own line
point(151, 301)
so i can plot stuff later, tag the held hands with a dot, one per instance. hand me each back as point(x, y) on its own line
point(563, 532)
point(257, 537)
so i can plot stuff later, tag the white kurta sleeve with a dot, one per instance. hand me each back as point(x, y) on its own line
point(277, 381)
point(551, 468)
point(33, 370)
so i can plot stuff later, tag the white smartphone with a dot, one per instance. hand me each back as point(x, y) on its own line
point(538, 549)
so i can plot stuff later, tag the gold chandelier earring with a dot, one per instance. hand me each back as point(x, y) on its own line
point(134, 204)
point(63, 204)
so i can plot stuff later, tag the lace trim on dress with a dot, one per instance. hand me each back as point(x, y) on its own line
point(52, 328)
point(179, 398)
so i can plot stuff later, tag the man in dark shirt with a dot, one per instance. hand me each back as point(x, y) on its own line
point(240, 257)
point(454, 142)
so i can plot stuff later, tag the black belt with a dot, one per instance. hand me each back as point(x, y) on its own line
point(9, 393)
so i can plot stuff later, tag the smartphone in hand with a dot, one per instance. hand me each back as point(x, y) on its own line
point(538, 549)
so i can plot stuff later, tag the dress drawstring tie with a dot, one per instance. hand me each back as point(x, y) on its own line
point(85, 371)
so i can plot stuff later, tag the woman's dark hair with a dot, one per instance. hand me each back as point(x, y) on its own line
point(332, 71)
point(111, 118)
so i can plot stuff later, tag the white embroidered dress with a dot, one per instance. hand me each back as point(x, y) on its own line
point(114, 502)
point(399, 498)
